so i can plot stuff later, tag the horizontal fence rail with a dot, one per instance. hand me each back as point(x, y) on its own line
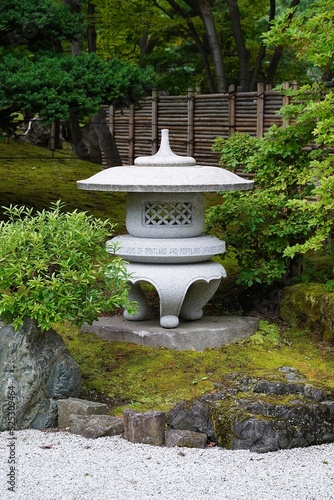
point(194, 121)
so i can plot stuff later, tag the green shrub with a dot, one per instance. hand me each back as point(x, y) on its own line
point(54, 268)
point(290, 210)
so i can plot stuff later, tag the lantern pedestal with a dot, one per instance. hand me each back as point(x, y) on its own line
point(205, 333)
point(183, 290)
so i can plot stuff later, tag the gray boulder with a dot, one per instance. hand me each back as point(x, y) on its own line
point(187, 439)
point(146, 428)
point(94, 426)
point(195, 417)
point(260, 415)
point(75, 406)
point(36, 369)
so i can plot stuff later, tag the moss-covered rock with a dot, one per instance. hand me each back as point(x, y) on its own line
point(309, 306)
point(277, 412)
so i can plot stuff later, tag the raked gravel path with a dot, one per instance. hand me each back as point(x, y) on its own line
point(63, 466)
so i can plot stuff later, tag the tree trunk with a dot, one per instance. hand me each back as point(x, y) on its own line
point(202, 8)
point(80, 146)
point(262, 50)
point(278, 51)
point(147, 44)
point(199, 44)
point(204, 55)
point(209, 24)
point(106, 140)
point(243, 52)
point(75, 7)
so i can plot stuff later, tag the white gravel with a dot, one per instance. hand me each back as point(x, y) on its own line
point(57, 465)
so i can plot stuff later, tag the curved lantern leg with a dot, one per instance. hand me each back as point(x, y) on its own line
point(198, 295)
point(183, 290)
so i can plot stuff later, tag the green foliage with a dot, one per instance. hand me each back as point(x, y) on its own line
point(235, 151)
point(38, 24)
point(308, 37)
point(53, 86)
point(54, 268)
point(39, 76)
point(290, 211)
point(272, 226)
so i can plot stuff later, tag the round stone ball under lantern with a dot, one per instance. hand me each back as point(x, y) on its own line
point(165, 215)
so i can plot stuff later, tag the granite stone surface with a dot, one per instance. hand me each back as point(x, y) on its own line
point(207, 332)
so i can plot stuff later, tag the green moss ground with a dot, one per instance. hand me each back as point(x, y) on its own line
point(142, 378)
point(29, 176)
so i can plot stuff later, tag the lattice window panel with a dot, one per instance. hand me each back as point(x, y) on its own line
point(168, 214)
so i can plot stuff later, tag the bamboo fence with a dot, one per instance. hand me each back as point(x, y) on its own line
point(194, 121)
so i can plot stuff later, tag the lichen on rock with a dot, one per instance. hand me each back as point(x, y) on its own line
point(279, 411)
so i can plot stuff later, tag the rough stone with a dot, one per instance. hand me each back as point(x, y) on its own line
point(188, 439)
point(207, 332)
point(36, 369)
point(272, 427)
point(147, 428)
point(37, 134)
point(94, 426)
point(194, 418)
point(260, 415)
point(76, 406)
point(291, 374)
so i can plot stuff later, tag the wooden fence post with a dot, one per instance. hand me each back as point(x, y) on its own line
point(111, 120)
point(286, 101)
point(191, 115)
point(131, 135)
point(260, 110)
point(231, 109)
point(155, 116)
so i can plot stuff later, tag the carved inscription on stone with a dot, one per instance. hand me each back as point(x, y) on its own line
point(203, 250)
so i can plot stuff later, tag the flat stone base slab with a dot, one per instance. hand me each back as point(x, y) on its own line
point(207, 332)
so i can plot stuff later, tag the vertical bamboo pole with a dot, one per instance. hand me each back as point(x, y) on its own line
point(191, 116)
point(231, 109)
point(286, 101)
point(111, 120)
point(155, 116)
point(131, 135)
point(260, 110)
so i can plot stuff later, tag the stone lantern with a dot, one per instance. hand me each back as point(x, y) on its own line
point(165, 215)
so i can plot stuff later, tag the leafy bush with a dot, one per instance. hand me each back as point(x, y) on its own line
point(290, 211)
point(54, 268)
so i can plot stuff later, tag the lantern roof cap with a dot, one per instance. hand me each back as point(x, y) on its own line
point(165, 172)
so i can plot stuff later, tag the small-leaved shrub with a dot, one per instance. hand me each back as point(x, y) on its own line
point(54, 268)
